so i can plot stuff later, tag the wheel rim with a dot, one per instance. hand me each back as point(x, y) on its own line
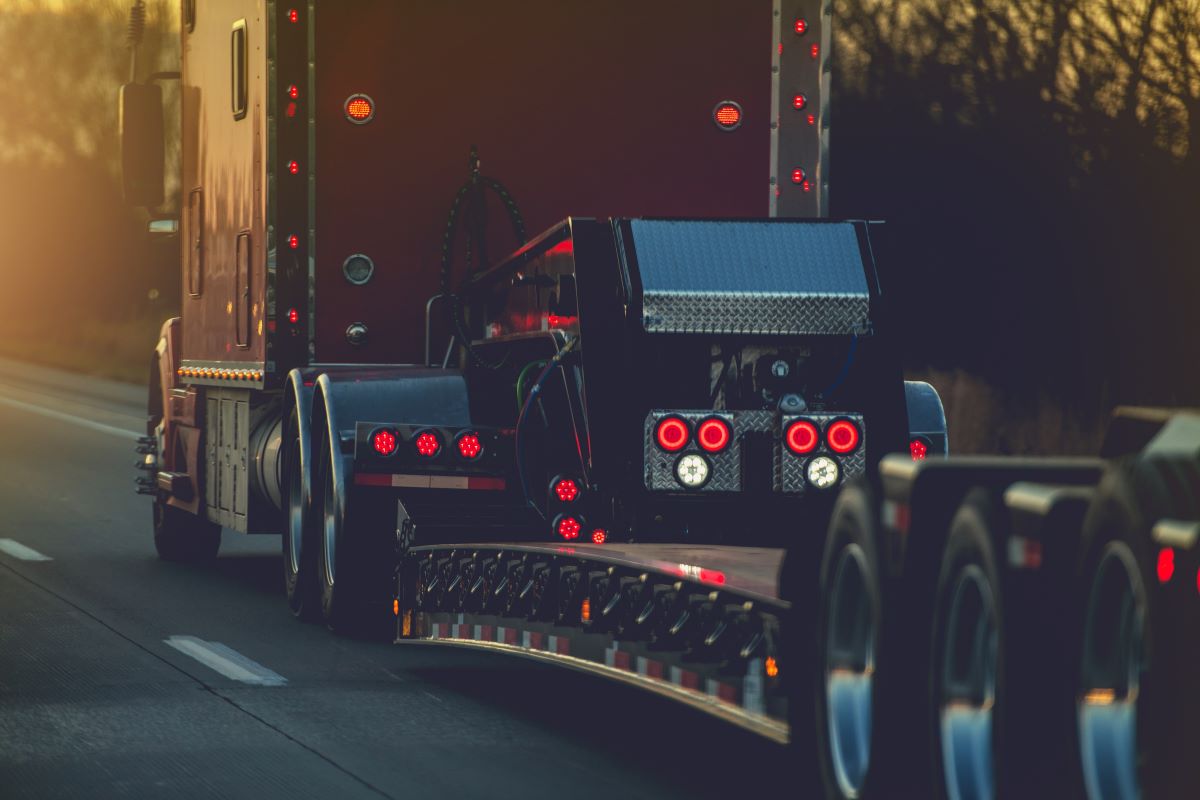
point(329, 512)
point(1113, 659)
point(295, 531)
point(850, 671)
point(967, 690)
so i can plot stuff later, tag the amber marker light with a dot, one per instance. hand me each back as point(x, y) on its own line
point(359, 108)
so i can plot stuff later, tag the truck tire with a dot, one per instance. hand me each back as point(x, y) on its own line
point(849, 631)
point(183, 537)
point(968, 703)
point(299, 547)
point(1118, 685)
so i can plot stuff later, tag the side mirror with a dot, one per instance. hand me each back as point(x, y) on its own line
point(142, 144)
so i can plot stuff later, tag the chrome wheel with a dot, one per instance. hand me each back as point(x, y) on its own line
point(1113, 660)
point(850, 671)
point(967, 688)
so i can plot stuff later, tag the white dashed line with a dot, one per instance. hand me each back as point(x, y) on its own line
point(227, 661)
point(85, 423)
point(18, 550)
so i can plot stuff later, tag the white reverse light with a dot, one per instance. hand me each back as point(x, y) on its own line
point(823, 472)
point(692, 471)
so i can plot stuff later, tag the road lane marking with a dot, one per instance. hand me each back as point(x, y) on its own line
point(86, 423)
point(18, 550)
point(226, 660)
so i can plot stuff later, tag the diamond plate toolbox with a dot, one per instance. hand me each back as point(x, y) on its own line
point(757, 278)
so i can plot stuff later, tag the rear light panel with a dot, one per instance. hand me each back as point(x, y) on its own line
point(693, 451)
point(426, 449)
point(810, 438)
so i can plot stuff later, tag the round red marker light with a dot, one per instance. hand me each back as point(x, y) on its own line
point(798, 176)
point(293, 15)
point(599, 536)
point(360, 109)
point(469, 445)
point(428, 444)
point(293, 91)
point(567, 490)
point(293, 316)
point(728, 115)
point(672, 434)
point(384, 442)
point(568, 528)
point(799, 102)
point(918, 450)
point(842, 436)
point(294, 167)
point(802, 437)
point(713, 435)
point(800, 26)
point(294, 241)
point(1166, 564)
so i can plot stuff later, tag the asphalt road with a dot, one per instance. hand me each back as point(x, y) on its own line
point(124, 676)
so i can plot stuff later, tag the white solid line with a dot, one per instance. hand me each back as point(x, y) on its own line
point(86, 423)
point(18, 550)
point(227, 661)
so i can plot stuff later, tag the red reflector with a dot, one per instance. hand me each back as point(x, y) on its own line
point(428, 444)
point(567, 490)
point(842, 436)
point(1166, 564)
point(799, 102)
point(798, 175)
point(713, 434)
point(293, 15)
point(293, 316)
point(291, 109)
point(599, 536)
point(802, 437)
point(806, 186)
point(672, 434)
point(294, 167)
point(359, 108)
point(568, 528)
point(469, 446)
point(815, 50)
point(384, 442)
point(728, 115)
point(293, 91)
point(800, 26)
point(811, 119)
point(918, 450)
point(712, 576)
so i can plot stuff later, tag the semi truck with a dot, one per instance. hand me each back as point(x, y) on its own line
point(527, 328)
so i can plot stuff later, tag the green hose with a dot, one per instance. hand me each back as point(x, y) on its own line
point(531, 366)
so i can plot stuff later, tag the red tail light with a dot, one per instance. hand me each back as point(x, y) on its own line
point(294, 167)
point(713, 435)
point(599, 536)
point(384, 442)
point(567, 490)
point(799, 102)
point(359, 108)
point(798, 176)
point(1166, 564)
point(428, 444)
point(672, 434)
point(842, 436)
point(469, 446)
point(800, 26)
point(802, 437)
point(567, 528)
point(728, 115)
point(293, 15)
point(918, 449)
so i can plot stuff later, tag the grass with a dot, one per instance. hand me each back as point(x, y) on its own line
point(117, 350)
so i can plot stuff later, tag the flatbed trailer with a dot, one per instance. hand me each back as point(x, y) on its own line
point(665, 438)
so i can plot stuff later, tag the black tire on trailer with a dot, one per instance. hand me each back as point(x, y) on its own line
point(354, 552)
point(848, 648)
point(184, 537)
point(1118, 689)
point(968, 701)
point(299, 539)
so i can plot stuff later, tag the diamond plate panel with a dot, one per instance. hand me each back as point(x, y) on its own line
point(790, 467)
point(751, 278)
point(726, 466)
